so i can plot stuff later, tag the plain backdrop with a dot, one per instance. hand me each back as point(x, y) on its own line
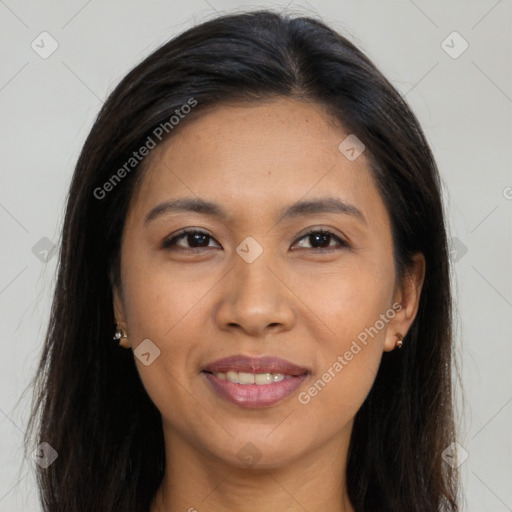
point(462, 96)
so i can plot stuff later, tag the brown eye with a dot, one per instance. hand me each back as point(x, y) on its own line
point(193, 239)
point(322, 239)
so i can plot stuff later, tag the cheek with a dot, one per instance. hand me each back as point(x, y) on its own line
point(157, 306)
point(334, 397)
point(160, 299)
point(351, 299)
point(355, 306)
point(164, 311)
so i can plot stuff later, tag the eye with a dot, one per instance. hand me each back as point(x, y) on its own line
point(320, 240)
point(196, 239)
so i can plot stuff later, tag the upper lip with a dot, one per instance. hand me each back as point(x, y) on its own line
point(266, 364)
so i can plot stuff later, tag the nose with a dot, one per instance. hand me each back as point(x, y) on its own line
point(255, 298)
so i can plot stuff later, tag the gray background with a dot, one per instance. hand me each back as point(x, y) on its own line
point(464, 104)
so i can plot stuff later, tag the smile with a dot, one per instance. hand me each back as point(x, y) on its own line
point(254, 382)
point(252, 378)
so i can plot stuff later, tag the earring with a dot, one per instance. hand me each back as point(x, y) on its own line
point(399, 340)
point(120, 336)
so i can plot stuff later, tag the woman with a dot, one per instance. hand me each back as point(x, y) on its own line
point(256, 219)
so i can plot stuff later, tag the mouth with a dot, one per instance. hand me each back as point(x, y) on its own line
point(254, 382)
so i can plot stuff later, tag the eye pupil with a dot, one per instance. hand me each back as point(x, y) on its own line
point(322, 238)
point(200, 238)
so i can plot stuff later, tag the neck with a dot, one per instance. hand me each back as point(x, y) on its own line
point(196, 481)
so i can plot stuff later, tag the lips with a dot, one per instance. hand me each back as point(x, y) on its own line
point(254, 382)
point(255, 365)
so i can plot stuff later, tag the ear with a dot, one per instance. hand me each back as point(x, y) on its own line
point(120, 316)
point(408, 296)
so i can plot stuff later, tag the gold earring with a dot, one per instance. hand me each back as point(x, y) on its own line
point(399, 340)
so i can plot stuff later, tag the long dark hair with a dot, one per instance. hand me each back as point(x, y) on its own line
point(89, 403)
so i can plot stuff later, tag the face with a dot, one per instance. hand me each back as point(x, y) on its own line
point(268, 292)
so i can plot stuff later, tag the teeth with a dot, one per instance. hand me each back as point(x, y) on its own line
point(245, 378)
point(232, 377)
point(263, 378)
point(252, 378)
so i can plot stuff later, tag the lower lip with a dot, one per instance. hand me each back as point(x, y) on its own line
point(254, 395)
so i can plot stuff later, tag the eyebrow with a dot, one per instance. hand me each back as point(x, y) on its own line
point(310, 207)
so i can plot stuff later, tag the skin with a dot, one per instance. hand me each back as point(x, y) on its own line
point(294, 301)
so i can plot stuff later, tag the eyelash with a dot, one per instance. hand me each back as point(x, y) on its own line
point(167, 244)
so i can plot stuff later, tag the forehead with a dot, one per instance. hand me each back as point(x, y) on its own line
point(258, 157)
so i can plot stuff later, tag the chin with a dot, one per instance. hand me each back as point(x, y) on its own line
point(259, 452)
